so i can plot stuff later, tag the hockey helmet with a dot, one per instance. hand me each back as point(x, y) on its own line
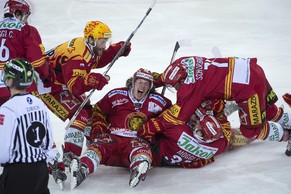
point(11, 6)
point(143, 74)
point(209, 129)
point(21, 71)
point(174, 74)
point(97, 30)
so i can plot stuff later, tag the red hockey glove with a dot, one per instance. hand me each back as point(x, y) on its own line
point(198, 164)
point(157, 79)
point(95, 80)
point(287, 98)
point(118, 46)
point(149, 129)
point(96, 131)
point(212, 106)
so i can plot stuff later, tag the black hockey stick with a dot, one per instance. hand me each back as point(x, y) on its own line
point(179, 43)
point(111, 64)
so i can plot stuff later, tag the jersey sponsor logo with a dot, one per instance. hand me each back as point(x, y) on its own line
point(72, 42)
point(175, 110)
point(119, 102)
point(191, 145)
point(153, 107)
point(114, 92)
point(189, 63)
point(271, 97)
point(199, 68)
point(2, 117)
point(158, 98)
point(33, 108)
point(76, 137)
point(254, 110)
point(78, 72)
point(55, 106)
point(123, 132)
point(29, 100)
point(285, 117)
point(11, 25)
point(274, 133)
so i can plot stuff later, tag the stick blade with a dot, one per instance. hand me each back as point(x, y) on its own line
point(185, 42)
point(216, 52)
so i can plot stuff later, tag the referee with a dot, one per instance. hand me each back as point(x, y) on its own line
point(25, 134)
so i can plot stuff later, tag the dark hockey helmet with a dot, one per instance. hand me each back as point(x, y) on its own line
point(12, 6)
point(21, 71)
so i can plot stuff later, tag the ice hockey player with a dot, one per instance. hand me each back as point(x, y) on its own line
point(72, 62)
point(117, 117)
point(235, 79)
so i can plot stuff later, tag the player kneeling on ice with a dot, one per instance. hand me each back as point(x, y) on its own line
point(116, 119)
point(235, 79)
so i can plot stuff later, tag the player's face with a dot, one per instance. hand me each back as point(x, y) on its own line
point(141, 88)
point(193, 121)
point(101, 45)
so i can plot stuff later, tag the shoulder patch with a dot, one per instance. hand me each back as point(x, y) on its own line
point(158, 98)
point(115, 92)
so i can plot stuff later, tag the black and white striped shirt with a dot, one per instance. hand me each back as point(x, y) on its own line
point(25, 130)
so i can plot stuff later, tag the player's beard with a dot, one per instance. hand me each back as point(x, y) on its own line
point(98, 51)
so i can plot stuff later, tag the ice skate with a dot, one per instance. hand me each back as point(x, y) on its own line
point(79, 173)
point(67, 159)
point(58, 174)
point(138, 172)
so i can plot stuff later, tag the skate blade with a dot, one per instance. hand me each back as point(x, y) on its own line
point(61, 184)
point(74, 167)
point(142, 169)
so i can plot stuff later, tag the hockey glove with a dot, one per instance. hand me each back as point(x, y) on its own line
point(95, 80)
point(157, 79)
point(127, 49)
point(149, 129)
point(50, 79)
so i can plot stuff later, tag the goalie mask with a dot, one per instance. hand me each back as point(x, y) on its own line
point(20, 7)
point(21, 71)
point(207, 130)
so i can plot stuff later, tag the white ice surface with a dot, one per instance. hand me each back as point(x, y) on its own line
point(245, 28)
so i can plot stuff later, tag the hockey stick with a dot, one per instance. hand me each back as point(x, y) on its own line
point(111, 64)
point(179, 43)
